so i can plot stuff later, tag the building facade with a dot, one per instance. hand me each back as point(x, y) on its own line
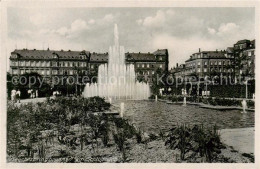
point(205, 63)
point(236, 60)
point(244, 54)
point(50, 63)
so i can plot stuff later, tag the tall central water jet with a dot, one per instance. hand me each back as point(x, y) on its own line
point(116, 79)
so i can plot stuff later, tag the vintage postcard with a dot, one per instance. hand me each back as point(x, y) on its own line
point(145, 83)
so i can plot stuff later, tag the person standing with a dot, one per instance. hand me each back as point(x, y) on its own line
point(13, 93)
point(29, 93)
point(36, 93)
point(18, 95)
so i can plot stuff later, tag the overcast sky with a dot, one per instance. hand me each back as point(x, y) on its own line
point(181, 30)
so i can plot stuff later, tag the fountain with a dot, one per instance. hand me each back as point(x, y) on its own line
point(184, 101)
point(244, 105)
point(117, 80)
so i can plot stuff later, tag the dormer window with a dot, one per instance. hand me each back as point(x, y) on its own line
point(14, 56)
point(54, 56)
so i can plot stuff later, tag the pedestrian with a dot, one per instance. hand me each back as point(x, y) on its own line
point(33, 93)
point(29, 93)
point(36, 93)
point(13, 93)
point(18, 95)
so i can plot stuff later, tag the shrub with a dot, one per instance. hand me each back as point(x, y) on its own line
point(138, 136)
point(179, 138)
point(250, 104)
point(202, 141)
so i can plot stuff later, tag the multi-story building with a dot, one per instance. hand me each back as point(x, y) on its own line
point(244, 54)
point(178, 71)
point(208, 62)
point(50, 63)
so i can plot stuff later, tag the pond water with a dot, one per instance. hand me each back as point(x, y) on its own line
point(152, 116)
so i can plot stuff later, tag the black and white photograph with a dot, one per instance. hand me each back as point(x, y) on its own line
point(128, 83)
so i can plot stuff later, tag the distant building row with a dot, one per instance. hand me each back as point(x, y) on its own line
point(50, 63)
point(236, 60)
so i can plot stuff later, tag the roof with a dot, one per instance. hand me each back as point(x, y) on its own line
point(99, 56)
point(45, 54)
point(230, 49)
point(243, 41)
point(140, 56)
point(48, 54)
point(161, 52)
point(209, 54)
point(253, 42)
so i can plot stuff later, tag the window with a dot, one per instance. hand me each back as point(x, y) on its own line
point(48, 72)
point(37, 64)
point(160, 58)
point(205, 63)
point(198, 69)
point(211, 62)
point(21, 63)
point(205, 70)
point(249, 53)
point(71, 72)
point(15, 71)
point(198, 63)
point(54, 72)
point(54, 64)
point(27, 63)
point(33, 63)
point(219, 63)
point(223, 62)
point(152, 72)
point(137, 65)
point(42, 63)
point(142, 65)
point(148, 65)
point(148, 72)
point(42, 72)
point(14, 63)
point(92, 66)
point(160, 65)
point(216, 63)
point(22, 71)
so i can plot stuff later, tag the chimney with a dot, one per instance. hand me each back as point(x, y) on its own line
point(199, 49)
point(177, 65)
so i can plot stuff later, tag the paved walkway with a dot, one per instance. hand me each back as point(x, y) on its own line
point(241, 139)
point(34, 100)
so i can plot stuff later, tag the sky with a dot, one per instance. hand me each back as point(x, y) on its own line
point(181, 30)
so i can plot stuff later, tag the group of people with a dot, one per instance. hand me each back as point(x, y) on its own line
point(32, 93)
point(15, 95)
